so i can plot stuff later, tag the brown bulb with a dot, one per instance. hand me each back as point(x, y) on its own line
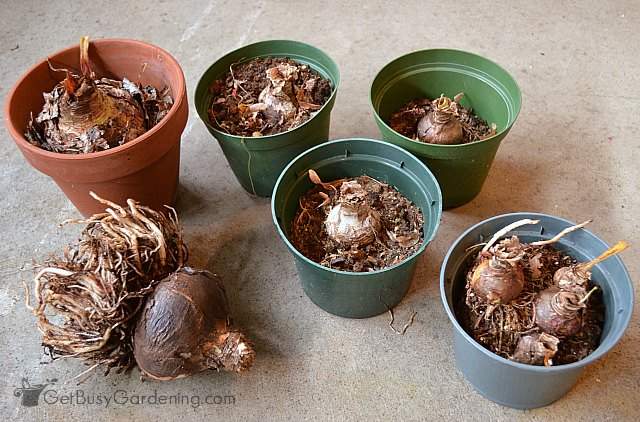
point(441, 124)
point(434, 129)
point(536, 349)
point(185, 328)
point(559, 312)
point(497, 281)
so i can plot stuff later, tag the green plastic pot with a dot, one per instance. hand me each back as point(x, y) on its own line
point(258, 161)
point(488, 89)
point(349, 294)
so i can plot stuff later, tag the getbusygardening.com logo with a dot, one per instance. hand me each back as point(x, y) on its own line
point(46, 394)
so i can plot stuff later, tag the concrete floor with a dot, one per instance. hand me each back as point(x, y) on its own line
point(573, 153)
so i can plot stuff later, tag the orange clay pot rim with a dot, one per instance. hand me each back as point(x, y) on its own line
point(178, 99)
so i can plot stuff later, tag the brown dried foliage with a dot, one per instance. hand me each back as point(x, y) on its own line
point(265, 96)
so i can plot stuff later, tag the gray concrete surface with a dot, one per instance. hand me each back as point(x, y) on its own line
point(574, 152)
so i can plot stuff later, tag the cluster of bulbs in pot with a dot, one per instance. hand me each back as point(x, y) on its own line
point(498, 278)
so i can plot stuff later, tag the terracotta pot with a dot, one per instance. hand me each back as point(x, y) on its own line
point(146, 168)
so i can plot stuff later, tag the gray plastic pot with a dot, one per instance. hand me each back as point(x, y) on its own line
point(514, 384)
point(350, 294)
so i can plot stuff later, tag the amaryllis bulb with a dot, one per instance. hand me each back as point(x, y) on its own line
point(185, 328)
point(536, 349)
point(559, 312)
point(350, 224)
point(576, 277)
point(277, 96)
point(351, 220)
point(86, 115)
point(499, 276)
point(441, 125)
point(497, 281)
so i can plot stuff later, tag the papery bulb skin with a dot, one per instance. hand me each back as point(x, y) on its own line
point(351, 220)
point(536, 349)
point(350, 224)
point(572, 278)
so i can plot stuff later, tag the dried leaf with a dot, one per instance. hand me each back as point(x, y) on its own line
point(327, 199)
point(407, 241)
point(254, 108)
point(309, 106)
point(315, 179)
point(534, 265)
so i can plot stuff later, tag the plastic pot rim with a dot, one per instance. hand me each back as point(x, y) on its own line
point(301, 256)
point(594, 356)
point(498, 134)
point(327, 104)
point(178, 97)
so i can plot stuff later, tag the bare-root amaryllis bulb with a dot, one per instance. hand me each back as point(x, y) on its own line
point(441, 125)
point(576, 277)
point(185, 328)
point(536, 349)
point(351, 220)
point(559, 312)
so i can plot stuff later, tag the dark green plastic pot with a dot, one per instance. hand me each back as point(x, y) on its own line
point(515, 384)
point(492, 93)
point(257, 162)
point(349, 294)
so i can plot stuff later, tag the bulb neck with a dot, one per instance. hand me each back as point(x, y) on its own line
point(232, 352)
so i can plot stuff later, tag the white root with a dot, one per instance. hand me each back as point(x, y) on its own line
point(506, 230)
point(561, 234)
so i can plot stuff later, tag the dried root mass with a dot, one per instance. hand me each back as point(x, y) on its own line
point(87, 300)
point(265, 96)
